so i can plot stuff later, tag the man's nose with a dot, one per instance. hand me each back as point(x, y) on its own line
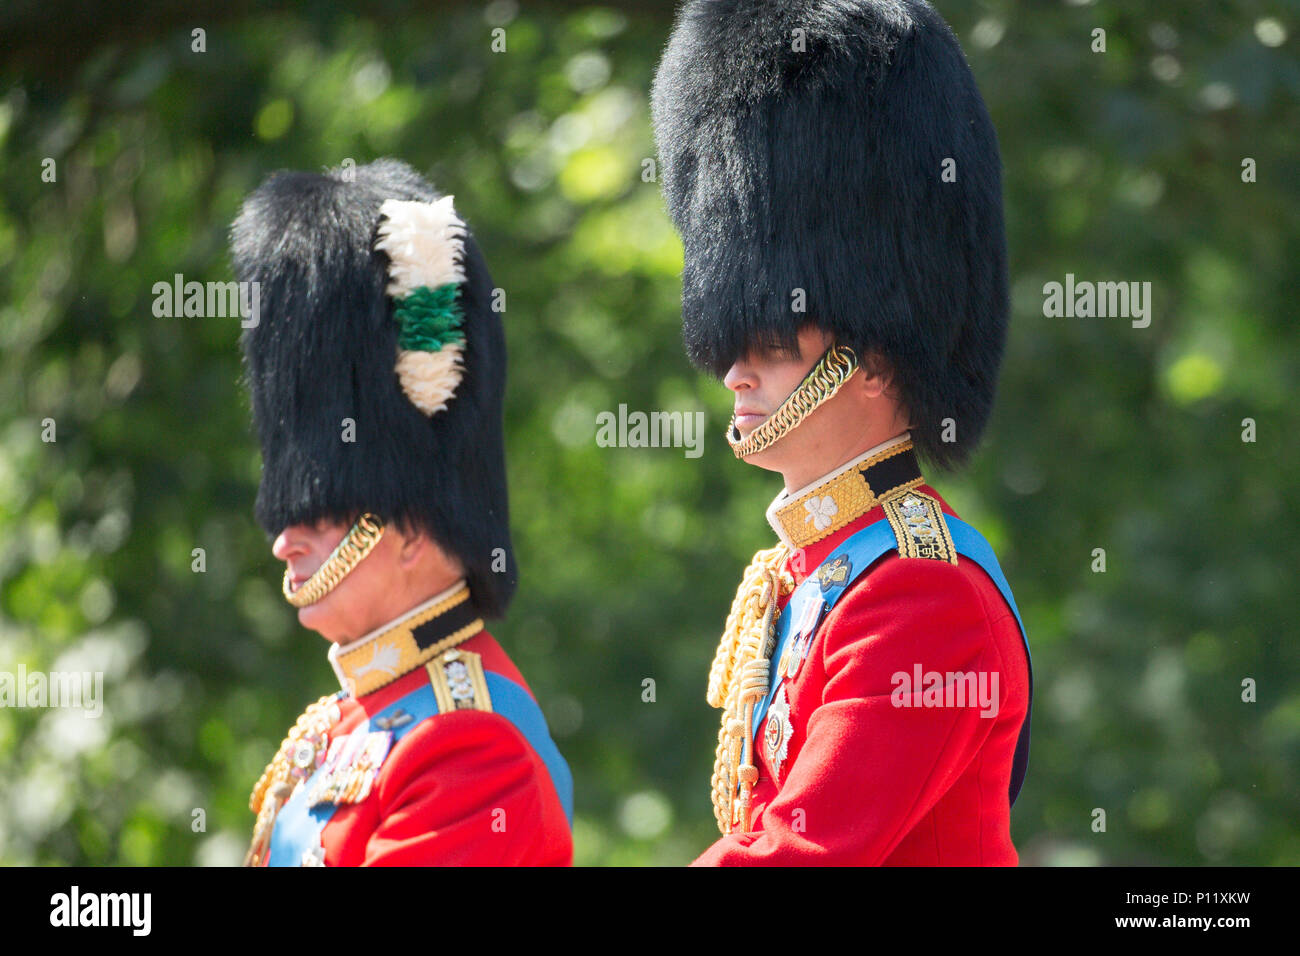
point(739, 376)
point(288, 543)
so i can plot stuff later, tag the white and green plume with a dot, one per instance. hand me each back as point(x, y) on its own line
point(425, 244)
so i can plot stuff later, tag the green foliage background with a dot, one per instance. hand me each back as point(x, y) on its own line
point(1123, 165)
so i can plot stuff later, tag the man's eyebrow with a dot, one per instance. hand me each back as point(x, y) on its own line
point(774, 350)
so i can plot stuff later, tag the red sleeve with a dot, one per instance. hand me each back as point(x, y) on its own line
point(869, 770)
point(466, 789)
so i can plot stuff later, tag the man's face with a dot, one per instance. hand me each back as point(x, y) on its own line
point(762, 381)
point(357, 605)
point(864, 412)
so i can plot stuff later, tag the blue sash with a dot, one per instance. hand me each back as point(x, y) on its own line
point(862, 550)
point(298, 827)
point(517, 705)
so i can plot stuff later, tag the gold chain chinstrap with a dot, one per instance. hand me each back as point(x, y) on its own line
point(356, 544)
point(818, 386)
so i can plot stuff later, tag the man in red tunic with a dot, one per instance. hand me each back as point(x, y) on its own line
point(376, 368)
point(836, 181)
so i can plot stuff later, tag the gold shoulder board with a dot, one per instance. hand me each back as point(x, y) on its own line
point(458, 681)
point(920, 527)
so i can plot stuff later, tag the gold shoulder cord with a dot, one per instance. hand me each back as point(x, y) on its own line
point(818, 386)
point(296, 758)
point(738, 680)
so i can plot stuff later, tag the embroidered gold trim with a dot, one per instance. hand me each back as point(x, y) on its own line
point(738, 680)
point(260, 845)
point(384, 658)
point(811, 517)
point(919, 525)
point(459, 682)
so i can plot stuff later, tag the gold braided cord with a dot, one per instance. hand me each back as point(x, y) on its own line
point(738, 681)
point(315, 719)
point(275, 785)
point(356, 544)
point(818, 386)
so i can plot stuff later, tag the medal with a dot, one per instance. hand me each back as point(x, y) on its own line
point(350, 767)
point(797, 652)
point(797, 649)
point(777, 733)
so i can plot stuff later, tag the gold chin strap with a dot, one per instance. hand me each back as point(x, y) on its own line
point(356, 544)
point(825, 379)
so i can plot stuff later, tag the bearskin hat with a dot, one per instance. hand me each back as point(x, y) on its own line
point(836, 155)
point(370, 393)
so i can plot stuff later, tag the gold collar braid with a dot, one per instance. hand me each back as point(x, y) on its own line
point(818, 386)
point(738, 680)
point(381, 657)
point(356, 544)
point(820, 510)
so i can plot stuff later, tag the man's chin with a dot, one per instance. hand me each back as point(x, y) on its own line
point(770, 457)
point(316, 618)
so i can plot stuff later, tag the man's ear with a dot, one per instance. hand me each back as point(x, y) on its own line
point(877, 375)
point(418, 547)
point(412, 546)
point(878, 381)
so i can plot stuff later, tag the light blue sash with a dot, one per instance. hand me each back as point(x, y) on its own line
point(861, 551)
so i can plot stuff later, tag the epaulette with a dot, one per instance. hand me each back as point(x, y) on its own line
point(459, 682)
point(920, 527)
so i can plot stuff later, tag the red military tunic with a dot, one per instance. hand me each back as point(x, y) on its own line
point(862, 780)
point(442, 758)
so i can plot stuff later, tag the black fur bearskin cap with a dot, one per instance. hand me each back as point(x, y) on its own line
point(803, 146)
point(324, 352)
